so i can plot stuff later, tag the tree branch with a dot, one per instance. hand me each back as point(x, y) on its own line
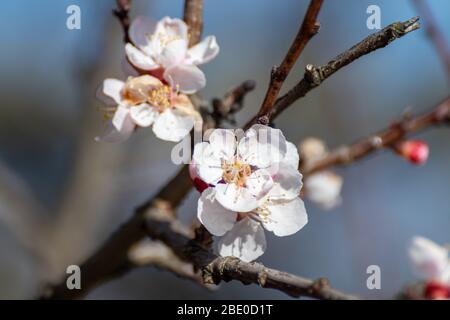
point(314, 76)
point(307, 30)
point(122, 13)
point(216, 269)
point(193, 16)
point(345, 155)
point(434, 33)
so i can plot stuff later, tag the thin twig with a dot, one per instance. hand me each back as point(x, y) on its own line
point(314, 76)
point(193, 16)
point(345, 155)
point(307, 30)
point(122, 13)
point(434, 33)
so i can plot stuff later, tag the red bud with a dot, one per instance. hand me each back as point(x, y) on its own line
point(199, 184)
point(436, 290)
point(415, 151)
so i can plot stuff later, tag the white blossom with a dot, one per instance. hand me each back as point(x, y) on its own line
point(162, 49)
point(144, 101)
point(430, 260)
point(324, 188)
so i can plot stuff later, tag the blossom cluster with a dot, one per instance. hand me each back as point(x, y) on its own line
point(167, 72)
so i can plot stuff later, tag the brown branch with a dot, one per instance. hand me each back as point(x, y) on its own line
point(193, 16)
point(122, 13)
point(387, 138)
point(216, 269)
point(308, 29)
point(314, 76)
point(434, 33)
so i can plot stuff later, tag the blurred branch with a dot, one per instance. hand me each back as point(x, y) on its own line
point(226, 108)
point(308, 29)
point(345, 155)
point(434, 33)
point(122, 13)
point(314, 76)
point(193, 16)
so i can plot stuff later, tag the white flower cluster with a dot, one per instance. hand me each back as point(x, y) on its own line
point(168, 72)
point(253, 182)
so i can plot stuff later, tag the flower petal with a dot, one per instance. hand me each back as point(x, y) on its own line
point(286, 218)
point(223, 143)
point(213, 215)
point(262, 146)
point(259, 183)
point(110, 91)
point(140, 59)
point(173, 53)
point(287, 182)
point(204, 51)
point(291, 157)
point(120, 117)
point(207, 165)
point(111, 134)
point(144, 114)
point(235, 198)
point(172, 126)
point(172, 28)
point(140, 31)
point(245, 241)
point(186, 78)
point(429, 260)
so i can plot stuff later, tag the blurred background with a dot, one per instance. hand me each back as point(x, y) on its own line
point(62, 194)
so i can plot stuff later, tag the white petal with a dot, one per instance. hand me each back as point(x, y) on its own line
point(186, 78)
point(262, 146)
point(120, 117)
point(204, 51)
point(259, 183)
point(144, 114)
point(139, 59)
point(140, 31)
point(172, 126)
point(287, 182)
point(213, 215)
point(208, 166)
point(245, 241)
point(429, 259)
point(291, 158)
point(110, 91)
point(286, 218)
point(223, 143)
point(172, 28)
point(111, 134)
point(173, 53)
point(324, 188)
point(235, 198)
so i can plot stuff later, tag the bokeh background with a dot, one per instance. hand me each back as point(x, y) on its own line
point(62, 194)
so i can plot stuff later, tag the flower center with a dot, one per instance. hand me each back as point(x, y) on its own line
point(138, 92)
point(236, 172)
point(163, 38)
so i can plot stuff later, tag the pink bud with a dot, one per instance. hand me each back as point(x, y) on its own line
point(199, 184)
point(416, 151)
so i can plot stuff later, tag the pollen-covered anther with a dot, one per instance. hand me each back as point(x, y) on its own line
point(236, 172)
point(160, 97)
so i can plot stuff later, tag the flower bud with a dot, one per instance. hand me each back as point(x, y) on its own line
point(415, 151)
point(436, 290)
point(312, 148)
